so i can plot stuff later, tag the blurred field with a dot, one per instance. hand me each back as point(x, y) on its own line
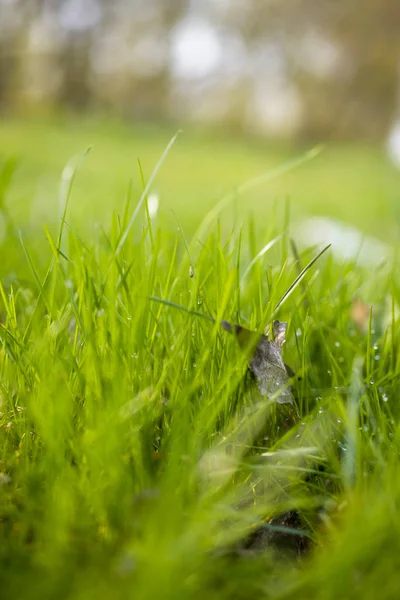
point(353, 182)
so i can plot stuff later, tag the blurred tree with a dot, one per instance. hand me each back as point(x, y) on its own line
point(318, 70)
point(368, 33)
point(354, 90)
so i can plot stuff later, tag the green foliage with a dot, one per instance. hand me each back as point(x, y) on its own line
point(135, 455)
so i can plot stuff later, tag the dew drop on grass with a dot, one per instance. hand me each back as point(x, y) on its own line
point(371, 382)
point(298, 332)
point(377, 357)
point(337, 344)
point(375, 346)
point(339, 420)
point(385, 397)
point(199, 302)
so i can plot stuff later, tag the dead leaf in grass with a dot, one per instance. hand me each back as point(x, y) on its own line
point(266, 363)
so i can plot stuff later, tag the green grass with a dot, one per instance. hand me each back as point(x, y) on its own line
point(135, 454)
point(353, 182)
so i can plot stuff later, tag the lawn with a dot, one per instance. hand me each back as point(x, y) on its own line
point(352, 182)
point(139, 455)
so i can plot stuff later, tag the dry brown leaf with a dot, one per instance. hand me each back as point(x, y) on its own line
point(266, 363)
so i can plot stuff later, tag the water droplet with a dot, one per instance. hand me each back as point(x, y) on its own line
point(298, 332)
point(129, 318)
point(366, 427)
point(375, 346)
point(371, 382)
point(385, 397)
point(199, 301)
point(339, 420)
point(329, 372)
point(152, 205)
point(191, 272)
point(337, 344)
point(377, 356)
point(320, 410)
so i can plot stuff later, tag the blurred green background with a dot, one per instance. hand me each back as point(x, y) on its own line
point(251, 84)
point(350, 181)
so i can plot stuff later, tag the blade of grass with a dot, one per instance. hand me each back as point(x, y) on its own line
point(145, 193)
point(183, 308)
point(260, 254)
point(67, 182)
point(299, 278)
point(251, 184)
